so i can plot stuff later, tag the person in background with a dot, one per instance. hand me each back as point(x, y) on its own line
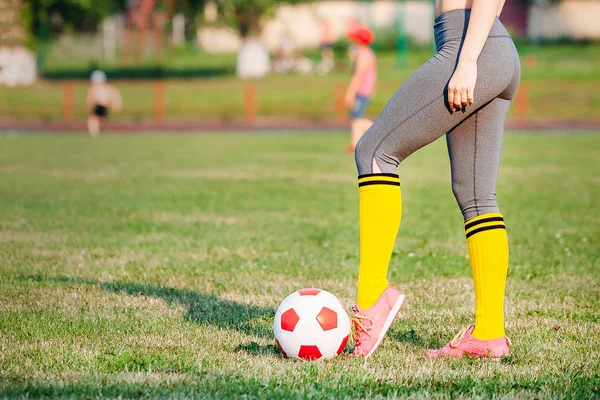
point(351, 25)
point(285, 59)
point(100, 97)
point(327, 41)
point(362, 83)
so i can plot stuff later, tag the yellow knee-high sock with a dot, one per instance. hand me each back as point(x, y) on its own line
point(380, 211)
point(488, 249)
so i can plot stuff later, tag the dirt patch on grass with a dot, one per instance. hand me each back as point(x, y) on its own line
point(38, 238)
point(205, 218)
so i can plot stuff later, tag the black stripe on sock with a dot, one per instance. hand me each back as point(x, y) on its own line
point(380, 174)
point(368, 183)
point(481, 221)
point(484, 228)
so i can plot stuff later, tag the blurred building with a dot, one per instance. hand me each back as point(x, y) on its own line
point(17, 62)
point(302, 23)
point(575, 19)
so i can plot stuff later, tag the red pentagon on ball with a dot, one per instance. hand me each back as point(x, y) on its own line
point(309, 353)
point(289, 319)
point(327, 318)
point(342, 347)
point(309, 292)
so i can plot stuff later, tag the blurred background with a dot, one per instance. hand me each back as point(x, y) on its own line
point(209, 64)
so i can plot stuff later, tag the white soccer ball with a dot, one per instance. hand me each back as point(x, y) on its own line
point(311, 324)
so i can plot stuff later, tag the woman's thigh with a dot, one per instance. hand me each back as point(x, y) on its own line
point(418, 113)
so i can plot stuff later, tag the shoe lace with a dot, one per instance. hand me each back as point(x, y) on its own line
point(460, 335)
point(360, 328)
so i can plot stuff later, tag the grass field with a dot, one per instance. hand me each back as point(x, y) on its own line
point(151, 266)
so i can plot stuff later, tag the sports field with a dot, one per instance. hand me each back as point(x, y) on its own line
point(150, 266)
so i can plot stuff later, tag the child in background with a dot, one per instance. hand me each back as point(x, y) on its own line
point(101, 96)
point(363, 82)
point(327, 41)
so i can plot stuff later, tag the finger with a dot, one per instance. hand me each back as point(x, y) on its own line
point(464, 97)
point(457, 100)
point(464, 100)
point(451, 99)
point(470, 96)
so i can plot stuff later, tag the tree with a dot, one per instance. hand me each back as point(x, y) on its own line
point(246, 16)
point(12, 31)
point(192, 10)
point(52, 17)
point(17, 63)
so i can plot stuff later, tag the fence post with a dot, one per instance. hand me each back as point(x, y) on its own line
point(523, 104)
point(159, 100)
point(68, 101)
point(340, 106)
point(250, 102)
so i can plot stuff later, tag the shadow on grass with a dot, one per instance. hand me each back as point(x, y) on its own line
point(204, 309)
point(408, 337)
point(255, 349)
point(411, 337)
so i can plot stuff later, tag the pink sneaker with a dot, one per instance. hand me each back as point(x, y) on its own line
point(465, 343)
point(370, 326)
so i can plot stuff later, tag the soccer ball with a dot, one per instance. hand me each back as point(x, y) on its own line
point(311, 324)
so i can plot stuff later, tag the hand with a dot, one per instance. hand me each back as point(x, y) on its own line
point(462, 85)
point(349, 100)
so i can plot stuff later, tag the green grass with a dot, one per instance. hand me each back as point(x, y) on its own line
point(151, 267)
point(567, 61)
point(57, 59)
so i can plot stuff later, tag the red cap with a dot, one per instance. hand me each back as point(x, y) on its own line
point(361, 34)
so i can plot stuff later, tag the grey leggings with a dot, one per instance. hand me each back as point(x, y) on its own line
point(418, 114)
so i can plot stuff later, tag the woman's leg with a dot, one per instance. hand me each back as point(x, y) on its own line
point(474, 148)
point(416, 116)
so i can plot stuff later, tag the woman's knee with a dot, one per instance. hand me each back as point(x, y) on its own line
point(362, 154)
point(473, 203)
point(371, 158)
